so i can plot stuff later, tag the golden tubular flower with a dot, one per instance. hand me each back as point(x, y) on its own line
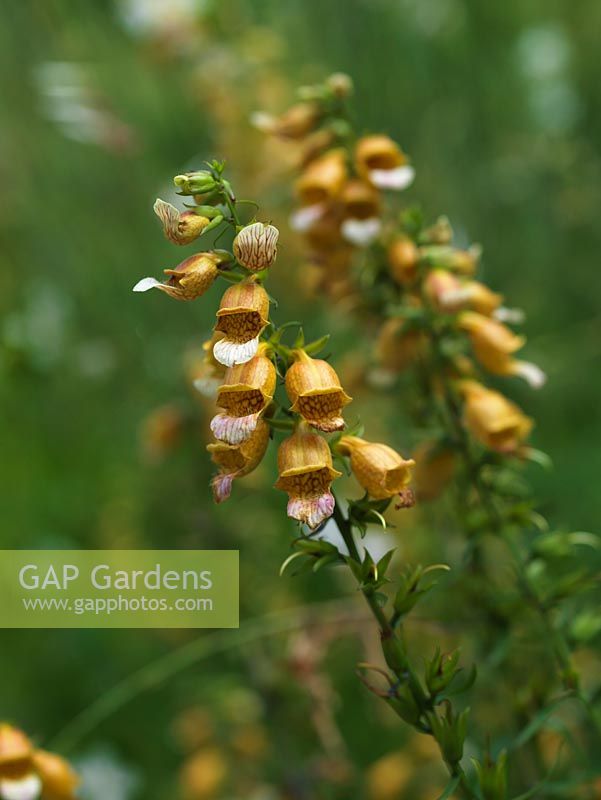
point(360, 204)
point(403, 260)
point(255, 246)
point(295, 123)
point(59, 781)
point(243, 314)
point(189, 280)
point(321, 181)
point(245, 393)
point(305, 473)
point(449, 294)
point(236, 461)
point(381, 471)
point(180, 227)
point(492, 419)
point(494, 343)
point(464, 262)
point(381, 161)
point(315, 392)
point(27, 774)
point(203, 370)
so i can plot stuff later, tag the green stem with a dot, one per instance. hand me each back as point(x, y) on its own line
point(406, 673)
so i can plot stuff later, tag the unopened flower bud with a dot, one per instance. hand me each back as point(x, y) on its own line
point(236, 461)
point(403, 260)
point(180, 227)
point(243, 314)
point(255, 246)
point(199, 182)
point(315, 392)
point(189, 280)
point(380, 470)
point(382, 162)
point(340, 84)
point(306, 472)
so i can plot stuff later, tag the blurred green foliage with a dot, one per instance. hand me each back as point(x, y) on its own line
point(498, 105)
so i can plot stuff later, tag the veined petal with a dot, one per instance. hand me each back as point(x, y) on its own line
point(230, 353)
point(398, 178)
point(534, 376)
point(233, 430)
point(222, 486)
point(305, 217)
point(312, 510)
point(145, 284)
point(361, 232)
point(27, 788)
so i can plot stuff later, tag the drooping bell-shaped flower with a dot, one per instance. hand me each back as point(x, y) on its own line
point(360, 206)
point(295, 123)
point(243, 314)
point(59, 780)
point(494, 344)
point(382, 162)
point(320, 182)
point(237, 460)
point(180, 227)
point(189, 280)
point(380, 470)
point(306, 472)
point(492, 419)
point(315, 392)
point(255, 246)
point(245, 393)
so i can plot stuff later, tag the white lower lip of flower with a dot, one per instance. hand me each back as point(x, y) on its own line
point(361, 232)
point(312, 510)
point(230, 353)
point(454, 298)
point(145, 284)
point(531, 373)
point(27, 788)
point(233, 430)
point(207, 386)
point(262, 121)
point(305, 217)
point(398, 178)
point(515, 316)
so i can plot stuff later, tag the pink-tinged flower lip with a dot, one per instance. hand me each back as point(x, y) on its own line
point(312, 511)
point(222, 486)
point(234, 430)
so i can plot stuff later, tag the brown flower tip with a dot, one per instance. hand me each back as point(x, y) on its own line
point(189, 280)
point(380, 470)
point(306, 473)
point(245, 393)
point(255, 246)
point(243, 314)
point(15, 750)
point(236, 461)
point(315, 392)
point(180, 227)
